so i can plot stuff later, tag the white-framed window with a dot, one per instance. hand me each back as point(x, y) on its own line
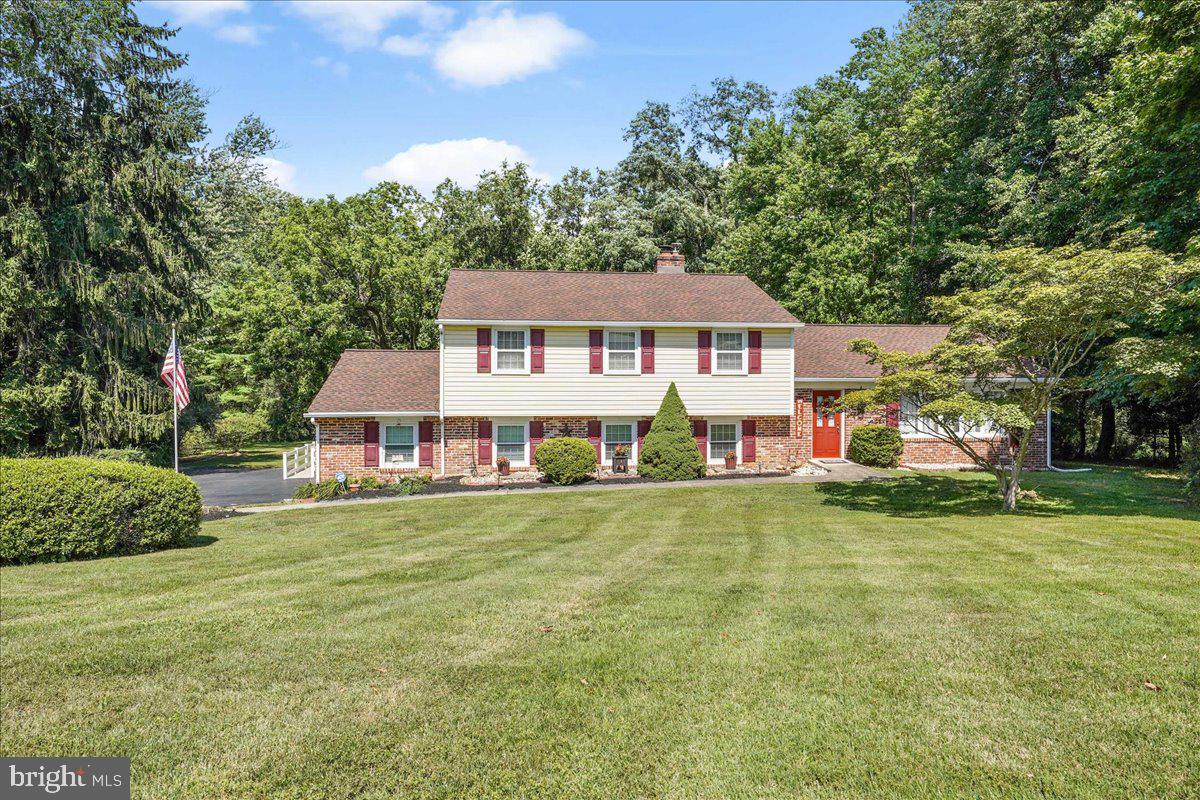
point(512, 350)
point(512, 442)
point(621, 352)
point(730, 349)
point(723, 437)
point(399, 446)
point(618, 432)
point(913, 425)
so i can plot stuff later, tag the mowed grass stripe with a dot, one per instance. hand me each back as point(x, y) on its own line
point(812, 641)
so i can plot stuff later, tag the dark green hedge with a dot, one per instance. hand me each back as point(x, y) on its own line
point(57, 509)
point(875, 446)
point(566, 459)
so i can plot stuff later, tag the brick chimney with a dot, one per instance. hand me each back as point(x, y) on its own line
point(669, 260)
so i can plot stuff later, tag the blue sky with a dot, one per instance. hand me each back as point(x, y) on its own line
point(417, 91)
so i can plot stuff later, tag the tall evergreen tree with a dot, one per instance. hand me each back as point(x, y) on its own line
point(98, 231)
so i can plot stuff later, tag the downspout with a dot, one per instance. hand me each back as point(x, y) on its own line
point(317, 466)
point(442, 396)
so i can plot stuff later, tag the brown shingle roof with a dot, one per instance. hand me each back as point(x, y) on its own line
point(821, 349)
point(607, 297)
point(380, 381)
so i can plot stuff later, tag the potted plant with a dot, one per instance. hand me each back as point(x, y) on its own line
point(502, 465)
point(731, 460)
point(620, 459)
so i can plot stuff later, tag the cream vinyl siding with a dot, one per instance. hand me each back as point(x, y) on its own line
point(567, 388)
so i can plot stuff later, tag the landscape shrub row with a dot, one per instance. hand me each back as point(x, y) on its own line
point(57, 509)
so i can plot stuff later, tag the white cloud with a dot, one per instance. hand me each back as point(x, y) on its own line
point(355, 24)
point(204, 12)
point(405, 45)
point(241, 34)
point(428, 164)
point(281, 172)
point(497, 48)
point(339, 68)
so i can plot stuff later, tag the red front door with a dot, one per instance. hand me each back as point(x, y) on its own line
point(827, 426)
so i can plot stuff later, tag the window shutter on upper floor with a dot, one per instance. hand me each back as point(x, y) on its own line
point(749, 440)
point(704, 352)
point(595, 351)
point(483, 349)
point(647, 351)
point(755, 349)
point(425, 443)
point(700, 431)
point(537, 350)
point(370, 444)
point(485, 441)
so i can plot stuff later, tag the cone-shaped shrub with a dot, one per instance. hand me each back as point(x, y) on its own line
point(669, 452)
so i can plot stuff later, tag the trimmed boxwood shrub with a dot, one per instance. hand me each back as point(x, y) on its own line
point(875, 446)
point(57, 509)
point(669, 451)
point(566, 459)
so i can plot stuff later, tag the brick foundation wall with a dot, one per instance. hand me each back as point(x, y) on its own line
point(341, 445)
point(917, 451)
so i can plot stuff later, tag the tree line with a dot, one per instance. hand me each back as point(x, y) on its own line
point(972, 128)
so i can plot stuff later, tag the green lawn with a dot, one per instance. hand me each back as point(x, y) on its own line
point(897, 639)
point(252, 456)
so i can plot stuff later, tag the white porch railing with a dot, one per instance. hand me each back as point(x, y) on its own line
point(299, 463)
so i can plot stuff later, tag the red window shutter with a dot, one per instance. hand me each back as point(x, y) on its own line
point(749, 440)
point(755, 352)
point(483, 349)
point(370, 444)
point(537, 349)
point(700, 431)
point(893, 415)
point(647, 351)
point(643, 429)
point(537, 433)
point(704, 352)
point(485, 441)
point(595, 352)
point(425, 443)
point(593, 431)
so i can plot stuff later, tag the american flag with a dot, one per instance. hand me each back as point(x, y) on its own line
point(174, 376)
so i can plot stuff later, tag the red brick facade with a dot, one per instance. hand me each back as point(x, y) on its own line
point(923, 451)
point(341, 445)
point(782, 443)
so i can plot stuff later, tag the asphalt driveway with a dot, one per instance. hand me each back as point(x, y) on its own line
point(236, 487)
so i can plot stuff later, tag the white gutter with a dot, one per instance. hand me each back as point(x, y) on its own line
point(546, 323)
point(342, 414)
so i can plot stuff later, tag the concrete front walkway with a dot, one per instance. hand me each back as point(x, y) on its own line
point(845, 471)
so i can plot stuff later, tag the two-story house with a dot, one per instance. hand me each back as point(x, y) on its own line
point(525, 356)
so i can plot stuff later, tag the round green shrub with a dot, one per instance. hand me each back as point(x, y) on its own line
point(875, 446)
point(669, 452)
point(566, 459)
point(369, 482)
point(57, 509)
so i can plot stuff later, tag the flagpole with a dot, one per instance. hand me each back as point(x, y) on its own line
point(175, 402)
